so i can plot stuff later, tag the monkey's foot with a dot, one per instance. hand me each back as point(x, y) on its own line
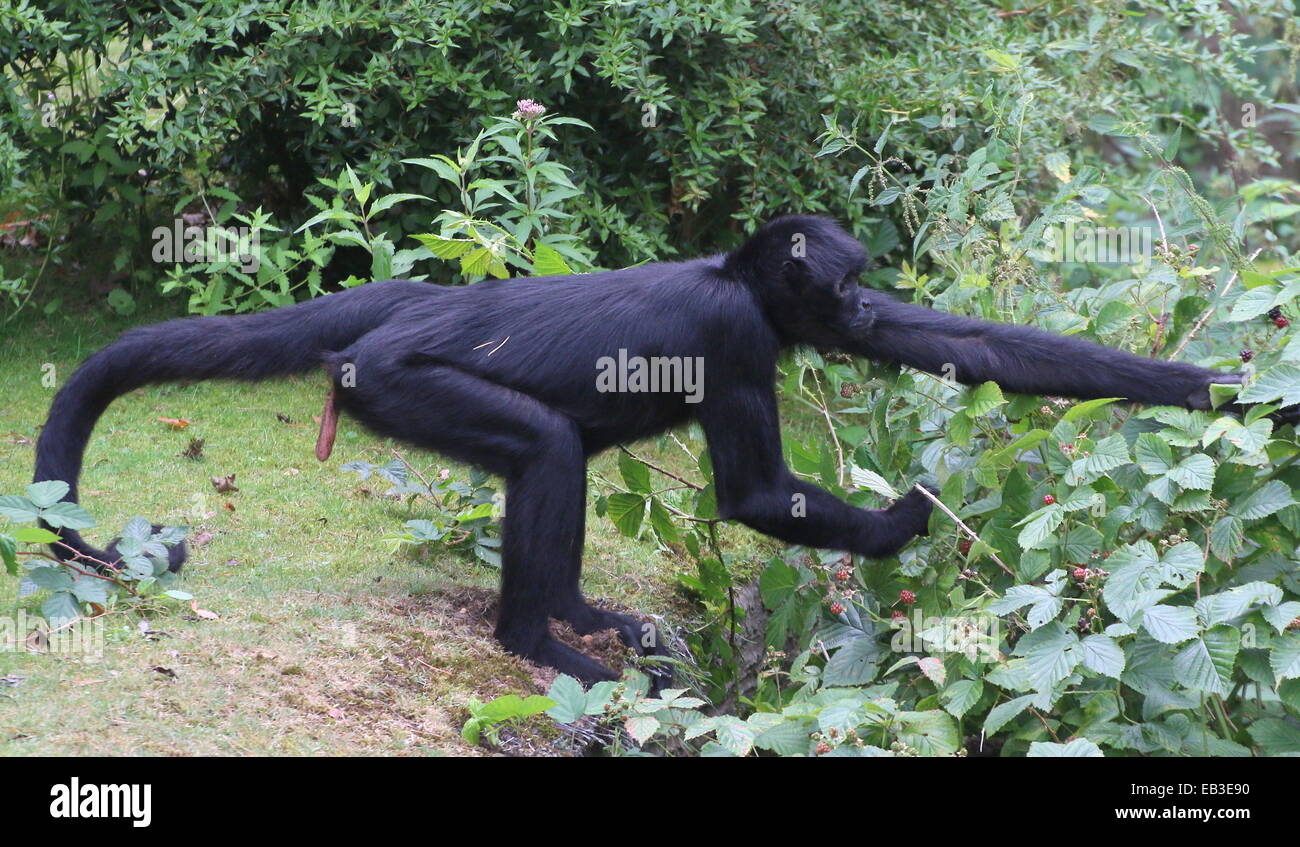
point(641, 636)
point(566, 660)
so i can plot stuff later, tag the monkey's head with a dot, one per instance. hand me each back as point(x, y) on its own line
point(805, 271)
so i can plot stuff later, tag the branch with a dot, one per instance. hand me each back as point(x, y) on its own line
point(964, 528)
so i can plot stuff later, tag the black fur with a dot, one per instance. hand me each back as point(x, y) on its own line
point(502, 375)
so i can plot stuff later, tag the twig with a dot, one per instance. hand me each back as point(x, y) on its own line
point(83, 571)
point(411, 468)
point(964, 528)
point(661, 470)
point(1205, 316)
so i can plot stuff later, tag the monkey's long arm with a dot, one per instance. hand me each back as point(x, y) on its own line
point(1027, 360)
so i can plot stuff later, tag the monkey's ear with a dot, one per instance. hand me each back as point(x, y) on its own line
point(794, 272)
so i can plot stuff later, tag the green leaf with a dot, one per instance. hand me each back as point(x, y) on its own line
point(734, 734)
point(961, 696)
point(1281, 615)
point(44, 494)
point(34, 535)
point(1280, 382)
point(51, 578)
point(1275, 736)
point(1040, 525)
point(1285, 658)
point(627, 511)
point(8, 553)
point(68, 515)
point(1001, 714)
point(88, 589)
point(1109, 453)
point(641, 727)
point(1171, 624)
point(1196, 471)
point(932, 733)
point(1205, 663)
point(1051, 653)
point(18, 509)
point(855, 663)
point(984, 399)
point(1271, 497)
point(1089, 409)
point(61, 608)
point(1227, 537)
point(1102, 655)
point(389, 200)
point(570, 699)
point(872, 481)
point(1154, 456)
point(634, 473)
point(547, 261)
point(1253, 303)
point(1080, 748)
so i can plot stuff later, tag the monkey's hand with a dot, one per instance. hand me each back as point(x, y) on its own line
point(1200, 399)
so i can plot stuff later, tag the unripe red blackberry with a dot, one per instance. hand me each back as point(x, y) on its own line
point(1048, 499)
point(1081, 573)
point(1281, 323)
point(843, 574)
point(907, 597)
point(823, 748)
point(964, 546)
point(837, 608)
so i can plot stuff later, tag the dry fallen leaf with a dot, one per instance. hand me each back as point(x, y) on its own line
point(203, 613)
point(335, 713)
point(224, 484)
point(200, 538)
point(175, 423)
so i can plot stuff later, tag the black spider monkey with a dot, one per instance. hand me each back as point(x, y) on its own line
point(504, 375)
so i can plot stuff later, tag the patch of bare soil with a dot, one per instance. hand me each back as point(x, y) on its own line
point(442, 642)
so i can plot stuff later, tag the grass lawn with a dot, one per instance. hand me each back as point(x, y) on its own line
point(327, 642)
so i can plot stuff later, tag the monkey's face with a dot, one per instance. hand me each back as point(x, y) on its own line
point(824, 310)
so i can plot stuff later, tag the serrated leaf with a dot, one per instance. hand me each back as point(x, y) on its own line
point(68, 515)
point(1040, 525)
point(872, 481)
point(1281, 615)
point(1080, 748)
point(1285, 658)
point(46, 494)
point(960, 697)
point(1051, 653)
point(932, 733)
point(1280, 382)
point(1196, 471)
point(1002, 714)
point(547, 261)
point(1102, 655)
point(1154, 456)
point(18, 509)
point(641, 727)
point(627, 511)
point(1271, 497)
point(1206, 663)
point(570, 699)
point(1170, 624)
point(855, 663)
point(984, 399)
